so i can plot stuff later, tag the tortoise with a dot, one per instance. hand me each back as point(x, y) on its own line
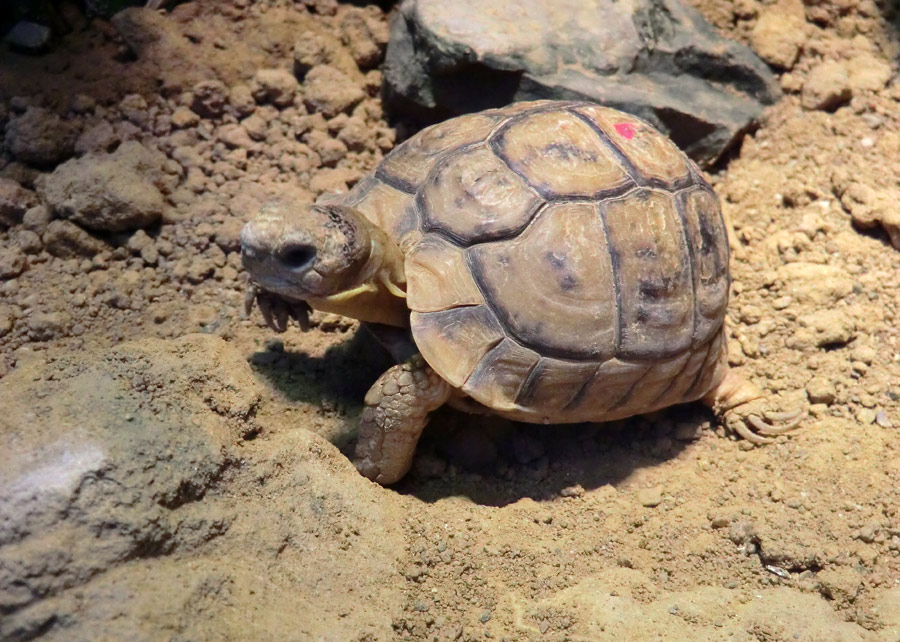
point(549, 262)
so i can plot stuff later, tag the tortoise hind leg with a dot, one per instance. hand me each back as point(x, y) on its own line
point(396, 412)
point(742, 408)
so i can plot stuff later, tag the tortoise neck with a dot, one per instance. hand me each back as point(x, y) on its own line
point(379, 295)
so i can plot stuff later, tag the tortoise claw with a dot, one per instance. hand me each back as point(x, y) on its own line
point(276, 311)
point(761, 427)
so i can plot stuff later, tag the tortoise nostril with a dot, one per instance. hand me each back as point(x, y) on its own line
point(298, 256)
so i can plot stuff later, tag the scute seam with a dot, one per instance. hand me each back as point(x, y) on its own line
point(707, 363)
point(525, 393)
point(628, 393)
point(617, 284)
point(449, 235)
point(493, 142)
point(576, 399)
point(397, 183)
point(677, 376)
point(626, 163)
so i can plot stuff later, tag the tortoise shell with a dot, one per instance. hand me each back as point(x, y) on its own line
point(564, 261)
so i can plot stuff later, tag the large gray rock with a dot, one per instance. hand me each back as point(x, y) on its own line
point(654, 58)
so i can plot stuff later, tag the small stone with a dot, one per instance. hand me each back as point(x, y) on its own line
point(66, 240)
point(210, 98)
point(44, 326)
point(183, 117)
point(650, 497)
point(134, 108)
point(751, 314)
point(485, 617)
point(865, 416)
point(235, 137)
point(82, 103)
point(779, 33)
point(781, 302)
point(40, 138)
point(330, 92)
point(15, 200)
point(102, 137)
point(882, 419)
point(719, 521)
point(820, 390)
point(255, 126)
point(688, 431)
point(841, 584)
point(827, 86)
point(330, 150)
point(864, 353)
point(241, 99)
point(276, 86)
point(332, 180)
point(365, 38)
point(356, 134)
point(828, 328)
point(29, 242)
point(29, 36)
point(12, 262)
point(572, 491)
point(867, 72)
point(867, 534)
point(37, 218)
point(6, 321)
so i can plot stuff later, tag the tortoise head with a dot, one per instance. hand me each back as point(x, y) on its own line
point(307, 252)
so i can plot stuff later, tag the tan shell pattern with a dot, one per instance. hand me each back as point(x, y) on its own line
point(565, 261)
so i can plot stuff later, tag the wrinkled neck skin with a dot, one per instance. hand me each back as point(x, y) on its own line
point(380, 293)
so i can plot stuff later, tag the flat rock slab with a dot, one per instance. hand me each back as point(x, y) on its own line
point(656, 59)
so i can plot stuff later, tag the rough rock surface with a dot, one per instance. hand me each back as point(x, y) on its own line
point(660, 60)
point(41, 138)
point(109, 192)
point(120, 469)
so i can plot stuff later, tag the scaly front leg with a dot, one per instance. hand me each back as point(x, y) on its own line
point(396, 412)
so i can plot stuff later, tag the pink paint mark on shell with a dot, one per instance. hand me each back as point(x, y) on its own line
point(625, 130)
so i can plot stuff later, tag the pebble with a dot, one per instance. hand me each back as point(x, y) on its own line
point(6, 322)
point(882, 419)
point(12, 262)
point(820, 390)
point(44, 326)
point(14, 201)
point(779, 33)
point(40, 138)
point(650, 497)
point(28, 35)
point(210, 98)
point(329, 91)
point(827, 86)
point(275, 86)
point(572, 491)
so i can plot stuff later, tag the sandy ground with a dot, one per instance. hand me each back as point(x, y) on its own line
point(655, 528)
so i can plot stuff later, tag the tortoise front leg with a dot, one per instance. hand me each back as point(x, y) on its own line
point(743, 409)
point(396, 412)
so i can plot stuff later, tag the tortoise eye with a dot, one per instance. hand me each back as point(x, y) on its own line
point(298, 256)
